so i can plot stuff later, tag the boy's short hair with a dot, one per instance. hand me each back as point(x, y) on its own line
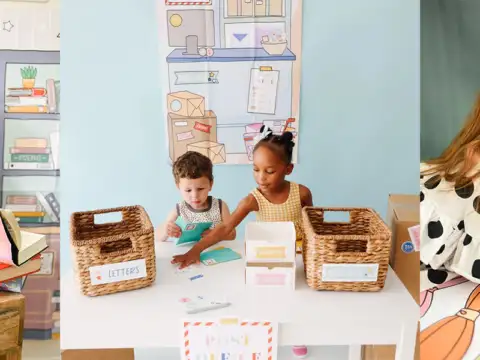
point(192, 165)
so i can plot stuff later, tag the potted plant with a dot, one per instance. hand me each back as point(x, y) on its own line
point(29, 73)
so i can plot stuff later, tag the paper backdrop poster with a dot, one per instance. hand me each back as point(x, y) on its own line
point(229, 339)
point(229, 67)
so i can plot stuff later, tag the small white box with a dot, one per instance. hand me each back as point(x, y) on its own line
point(263, 275)
point(270, 242)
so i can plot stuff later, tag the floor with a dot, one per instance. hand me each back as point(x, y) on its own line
point(50, 350)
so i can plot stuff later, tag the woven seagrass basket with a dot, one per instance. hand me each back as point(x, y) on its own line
point(97, 247)
point(364, 240)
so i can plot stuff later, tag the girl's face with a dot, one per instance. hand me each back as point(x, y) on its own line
point(269, 170)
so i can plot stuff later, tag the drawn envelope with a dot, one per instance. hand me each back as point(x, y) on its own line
point(185, 103)
point(215, 151)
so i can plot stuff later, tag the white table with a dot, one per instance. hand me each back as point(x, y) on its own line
point(151, 317)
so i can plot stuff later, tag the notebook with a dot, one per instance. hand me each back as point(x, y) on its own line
point(191, 232)
point(217, 256)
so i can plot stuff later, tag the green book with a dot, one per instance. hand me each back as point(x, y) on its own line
point(36, 158)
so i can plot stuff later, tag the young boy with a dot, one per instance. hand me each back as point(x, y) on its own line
point(193, 173)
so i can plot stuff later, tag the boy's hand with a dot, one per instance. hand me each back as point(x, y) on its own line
point(187, 259)
point(173, 230)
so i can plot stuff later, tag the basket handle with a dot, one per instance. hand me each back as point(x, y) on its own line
point(336, 211)
point(116, 247)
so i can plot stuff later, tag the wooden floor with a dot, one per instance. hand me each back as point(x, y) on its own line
point(41, 350)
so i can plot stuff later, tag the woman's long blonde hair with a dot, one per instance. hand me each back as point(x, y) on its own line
point(458, 160)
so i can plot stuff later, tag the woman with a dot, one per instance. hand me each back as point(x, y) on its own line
point(450, 238)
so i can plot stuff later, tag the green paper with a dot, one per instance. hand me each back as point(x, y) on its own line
point(191, 232)
point(218, 256)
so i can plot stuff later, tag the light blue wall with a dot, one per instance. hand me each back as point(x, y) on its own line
point(359, 110)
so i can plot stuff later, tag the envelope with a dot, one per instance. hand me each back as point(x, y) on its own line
point(185, 103)
point(214, 151)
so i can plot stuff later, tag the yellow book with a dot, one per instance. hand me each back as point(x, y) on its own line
point(29, 213)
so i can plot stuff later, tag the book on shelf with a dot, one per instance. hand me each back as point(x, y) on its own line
point(36, 100)
point(50, 204)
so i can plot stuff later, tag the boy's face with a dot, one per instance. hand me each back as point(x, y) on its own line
point(269, 170)
point(195, 191)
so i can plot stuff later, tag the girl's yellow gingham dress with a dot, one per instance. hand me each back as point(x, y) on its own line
point(290, 210)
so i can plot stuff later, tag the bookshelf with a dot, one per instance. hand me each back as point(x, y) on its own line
point(41, 290)
point(26, 121)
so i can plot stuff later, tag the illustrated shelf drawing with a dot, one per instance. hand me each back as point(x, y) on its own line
point(224, 54)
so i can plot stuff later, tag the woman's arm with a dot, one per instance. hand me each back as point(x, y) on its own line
point(226, 217)
point(305, 196)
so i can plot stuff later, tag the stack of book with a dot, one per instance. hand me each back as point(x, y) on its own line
point(30, 209)
point(20, 252)
point(30, 154)
point(32, 100)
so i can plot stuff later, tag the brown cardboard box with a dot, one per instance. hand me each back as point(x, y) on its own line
point(14, 304)
point(183, 131)
point(403, 213)
point(98, 354)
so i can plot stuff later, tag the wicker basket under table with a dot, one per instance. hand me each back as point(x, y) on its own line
point(365, 239)
point(100, 244)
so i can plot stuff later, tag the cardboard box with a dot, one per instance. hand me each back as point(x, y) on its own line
point(214, 151)
point(403, 213)
point(99, 354)
point(183, 131)
point(15, 303)
point(185, 103)
point(270, 254)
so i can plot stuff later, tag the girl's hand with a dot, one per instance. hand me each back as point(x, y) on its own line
point(173, 230)
point(187, 259)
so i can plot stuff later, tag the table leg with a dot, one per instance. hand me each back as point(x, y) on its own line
point(355, 352)
point(406, 345)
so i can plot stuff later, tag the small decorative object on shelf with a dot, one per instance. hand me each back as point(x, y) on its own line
point(116, 256)
point(345, 256)
point(29, 73)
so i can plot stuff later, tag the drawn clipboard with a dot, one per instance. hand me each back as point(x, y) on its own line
point(262, 97)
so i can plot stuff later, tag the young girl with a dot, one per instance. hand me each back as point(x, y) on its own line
point(275, 199)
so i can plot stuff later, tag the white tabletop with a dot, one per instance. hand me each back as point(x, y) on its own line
point(151, 317)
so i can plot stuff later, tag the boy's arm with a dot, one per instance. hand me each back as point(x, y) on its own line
point(226, 217)
point(161, 232)
point(305, 196)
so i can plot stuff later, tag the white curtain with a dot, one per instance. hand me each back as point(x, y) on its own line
point(450, 69)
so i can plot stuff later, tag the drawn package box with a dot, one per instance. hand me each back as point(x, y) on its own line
point(214, 151)
point(185, 103)
point(270, 254)
point(184, 130)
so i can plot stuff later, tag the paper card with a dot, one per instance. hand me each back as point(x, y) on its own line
point(229, 338)
point(217, 256)
point(191, 232)
point(112, 273)
point(46, 267)
point(414, 233)
point(185, 136)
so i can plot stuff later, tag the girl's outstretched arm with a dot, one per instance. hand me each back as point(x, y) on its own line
point(219, 233)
